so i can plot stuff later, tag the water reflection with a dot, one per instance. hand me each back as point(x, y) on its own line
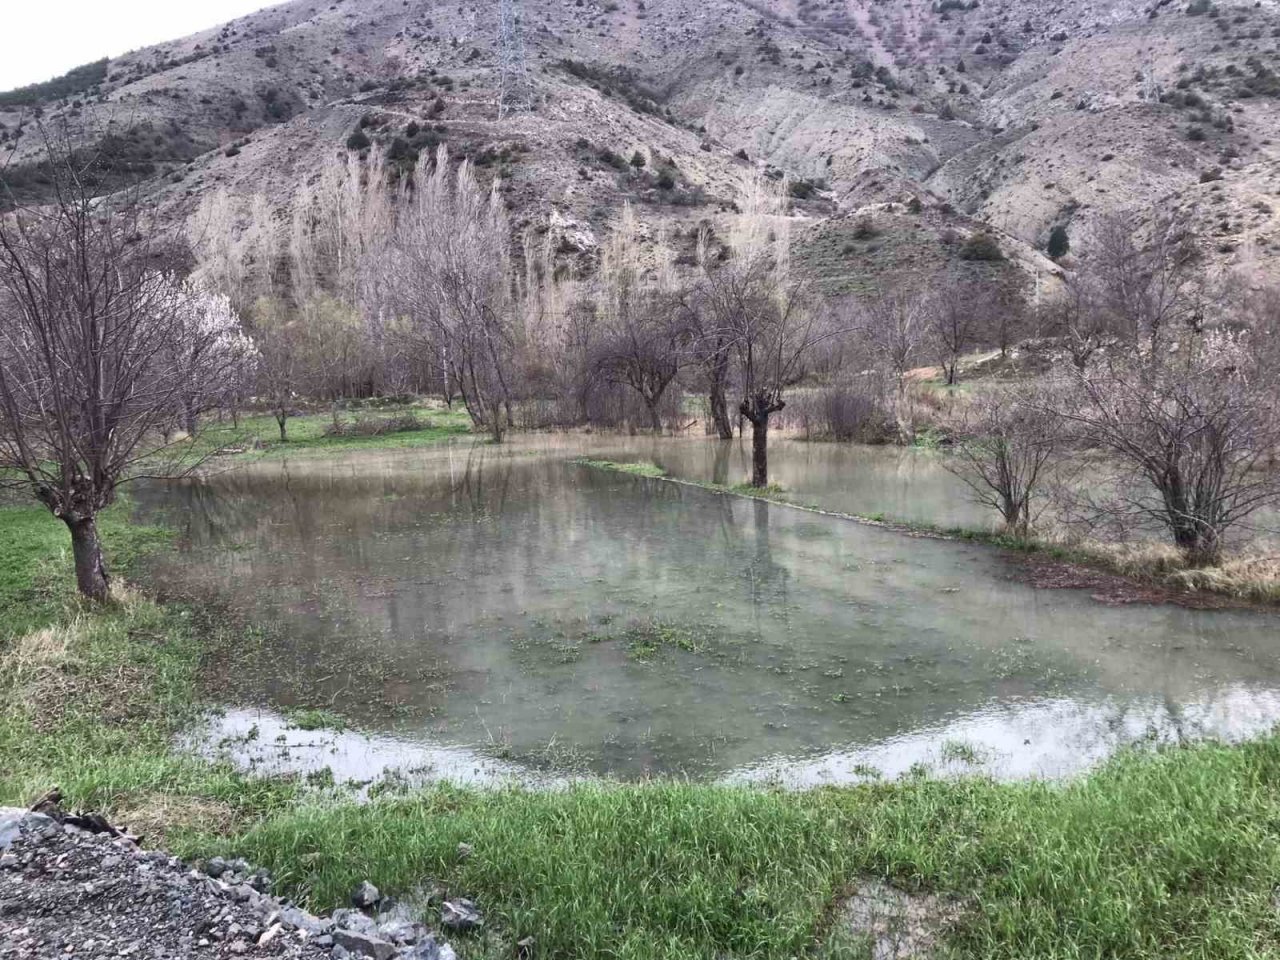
point(473, 602)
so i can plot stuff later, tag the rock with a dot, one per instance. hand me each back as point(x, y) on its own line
point(324, 940)
point(401, 931)
point(216, 867)
point(460, 915)
point(271, 934)
point(301, 920)
point(348, 919)
point(524, 948)
point(365, 896)
point(426, 949)
point(465, 850)
point(14, 822)
point(364, 945)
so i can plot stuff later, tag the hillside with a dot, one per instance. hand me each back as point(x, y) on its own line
point(936, 119)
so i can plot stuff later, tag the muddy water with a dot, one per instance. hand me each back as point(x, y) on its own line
point(480, 613)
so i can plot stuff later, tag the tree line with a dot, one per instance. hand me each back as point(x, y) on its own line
point(119, 336)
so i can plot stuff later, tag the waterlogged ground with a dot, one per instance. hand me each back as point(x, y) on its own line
point(481, 613)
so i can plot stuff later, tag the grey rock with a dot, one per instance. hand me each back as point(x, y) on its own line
point(425, 949)
point(401, 931)
point(324, 940)
point(9, 862)
point(365, 896)
point(301, 920)
point(460, 915)
point(364, 945)
point(14, 822)
point(465, 850)
point(216, 867)
point(347, 919)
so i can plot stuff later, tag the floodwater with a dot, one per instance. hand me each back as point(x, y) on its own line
point(479, 614)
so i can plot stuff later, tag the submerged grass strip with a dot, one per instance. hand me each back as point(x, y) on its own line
point(1170, 853)
point(1247, 580)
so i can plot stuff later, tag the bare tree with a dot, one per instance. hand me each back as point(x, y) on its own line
point(759, 309)
point(894, 327)
point(1193, 430)
point(958, 321)
point(88, 325)
point(1149, 285)
point(1010, 441)
point(451, 278)
point(645, 330)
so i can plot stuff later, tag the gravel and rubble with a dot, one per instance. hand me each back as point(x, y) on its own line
point(71, 885)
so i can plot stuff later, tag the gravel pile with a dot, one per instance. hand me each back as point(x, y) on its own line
point(73, 886)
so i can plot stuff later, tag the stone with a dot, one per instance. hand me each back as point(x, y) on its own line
point(425, 949)
point(465, 850)
point(524, 948)
point(301, 920)
point(275, 931)
point(365, 896)
point(460, 915)
point(216, 867)
point(364, 945)
point(401, 931)
point(347, 919)
point(15, 822)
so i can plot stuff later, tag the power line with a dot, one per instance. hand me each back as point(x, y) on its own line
point(515, 87)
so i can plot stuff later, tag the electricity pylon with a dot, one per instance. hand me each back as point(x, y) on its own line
point(515, 88)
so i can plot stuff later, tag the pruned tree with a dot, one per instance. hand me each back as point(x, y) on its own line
point(279, 338)
point(89, 325)
point(759, 308)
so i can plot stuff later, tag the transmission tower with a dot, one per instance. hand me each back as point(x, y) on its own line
point(515, 88)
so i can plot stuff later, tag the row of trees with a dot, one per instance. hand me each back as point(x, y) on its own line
point(1164, 412)
point(115, 341)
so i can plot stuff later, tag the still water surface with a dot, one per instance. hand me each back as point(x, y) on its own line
point(481, 613)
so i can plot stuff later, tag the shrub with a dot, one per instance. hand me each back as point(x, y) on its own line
point(981, 246)
point(375, 426)
point(358, 141)
point(1059, 242)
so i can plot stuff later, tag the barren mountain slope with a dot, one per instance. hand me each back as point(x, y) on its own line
point(1017, 114)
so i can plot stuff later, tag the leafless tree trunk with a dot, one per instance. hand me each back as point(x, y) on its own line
point(89, 327)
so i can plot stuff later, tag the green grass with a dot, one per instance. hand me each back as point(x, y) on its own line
point(1171, 853)
point(259, 435)
point(638, 469)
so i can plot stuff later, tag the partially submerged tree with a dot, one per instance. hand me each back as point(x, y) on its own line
point(1193, 429)
point(761, 311)
point(1009, 442)
point(645, 329)
point(90, 324)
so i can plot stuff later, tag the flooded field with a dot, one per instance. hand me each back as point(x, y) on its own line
point(482, 613)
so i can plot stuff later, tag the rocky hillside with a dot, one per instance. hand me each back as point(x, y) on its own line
point(933, 120)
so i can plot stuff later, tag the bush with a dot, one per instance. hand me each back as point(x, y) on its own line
point(376, 426)
point(1059, 242)
point(843, 413)
point(358, 141)
point(981, 246)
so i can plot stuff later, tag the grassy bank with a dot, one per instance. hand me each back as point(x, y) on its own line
point(1163, 854)
point(1243, 579)
point(258, 435)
